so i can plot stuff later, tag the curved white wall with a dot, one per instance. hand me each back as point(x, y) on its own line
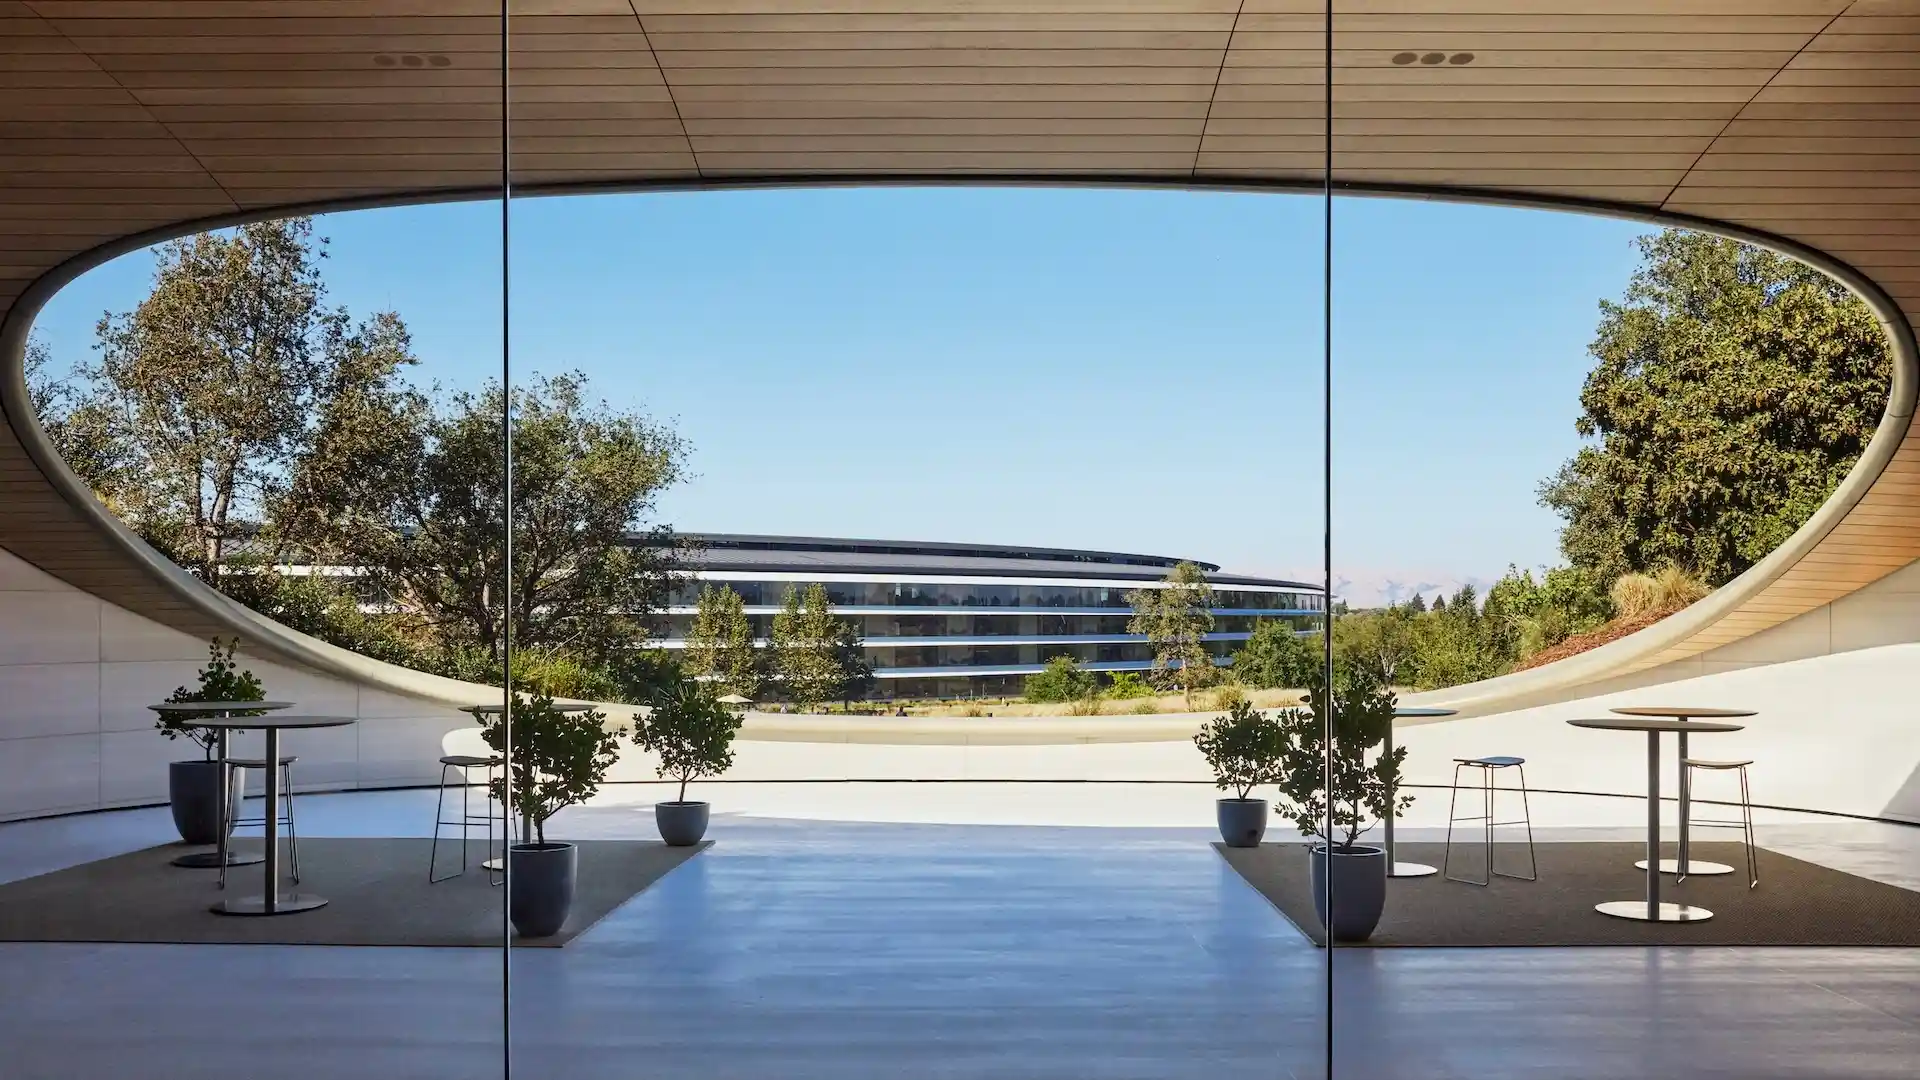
point(76, 675)
point(1839, 724)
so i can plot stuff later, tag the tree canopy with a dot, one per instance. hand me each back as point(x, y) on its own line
point(1732, 389)
point(1175, 620)
point(720, 642)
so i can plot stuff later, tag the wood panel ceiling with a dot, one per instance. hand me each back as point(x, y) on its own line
point(1798, 117)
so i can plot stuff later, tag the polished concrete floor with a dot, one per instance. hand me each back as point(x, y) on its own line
point(812, 948)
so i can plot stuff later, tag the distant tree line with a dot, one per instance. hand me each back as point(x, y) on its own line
point(1732, 388)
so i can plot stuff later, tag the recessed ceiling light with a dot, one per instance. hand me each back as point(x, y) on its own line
point(1460, 58)
point(1433, 58)
point(1405, 58)
point(410, 60)
point(383, 60)
point(441, 61)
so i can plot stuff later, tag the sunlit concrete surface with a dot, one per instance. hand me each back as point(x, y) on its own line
point(801, 946)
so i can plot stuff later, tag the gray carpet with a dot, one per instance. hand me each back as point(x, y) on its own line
point(377, 889)
point(1797, 903)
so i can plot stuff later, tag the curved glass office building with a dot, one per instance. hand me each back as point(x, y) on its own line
point(972, 620)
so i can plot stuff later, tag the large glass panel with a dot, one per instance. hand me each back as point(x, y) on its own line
point(891, 468)
point(1594, 476)
point(232, 669)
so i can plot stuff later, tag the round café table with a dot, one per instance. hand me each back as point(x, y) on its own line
point(271, 901)
point(1684, 864)
point(222, 852)
point(1408, 869)
point(1651, 909)
point(482, 713)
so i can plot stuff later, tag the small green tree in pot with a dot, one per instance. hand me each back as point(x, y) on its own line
point(691, 731)
point(193, 787)
point(1244, 748)
point(1335, 794)
point(560, 758)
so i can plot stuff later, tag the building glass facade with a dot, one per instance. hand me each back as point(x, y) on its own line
point(946, 621)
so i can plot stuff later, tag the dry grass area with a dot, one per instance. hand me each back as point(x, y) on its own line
point(1203, 701)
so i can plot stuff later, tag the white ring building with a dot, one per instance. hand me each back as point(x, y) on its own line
point(971, 620)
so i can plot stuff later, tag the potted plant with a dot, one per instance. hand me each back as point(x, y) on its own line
point(691, 731)
point(1334, 794)
point(560, 757)
point(1245, 749)
point(193, 786)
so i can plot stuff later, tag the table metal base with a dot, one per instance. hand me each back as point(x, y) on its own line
point(210, 860)
point(285, 904)
point(495, 865)
point(1695, 867)
point(1637, 909)
point(1412, 869)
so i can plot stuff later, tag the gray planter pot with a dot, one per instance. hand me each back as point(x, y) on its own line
point(1242, 821)
point(543, 880)
point(682, 824)
point(1359, 880)
point(193, 794)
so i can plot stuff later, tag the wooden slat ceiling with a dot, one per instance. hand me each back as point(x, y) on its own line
point(1798, 117)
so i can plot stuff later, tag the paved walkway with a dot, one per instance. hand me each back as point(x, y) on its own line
point(800, 949)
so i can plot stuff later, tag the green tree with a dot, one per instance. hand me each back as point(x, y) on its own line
point(1317, 750)
point(80, 424)
point(1061, 680)
point(690, 730)
point(1277, 656)
point(720, 642)
point(428, 529)
point(1732, 389)
point(806, 648)
point(560, 757)
point(1566, 601)
point(850, 659)
point(1383, 640)
point(1175, 619)
point(227, 383)
point(1246, 749)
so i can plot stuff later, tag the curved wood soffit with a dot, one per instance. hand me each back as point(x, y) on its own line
point(1771, 126)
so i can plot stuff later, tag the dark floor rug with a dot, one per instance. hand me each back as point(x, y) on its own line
point(377, 889)
point(1797, 903)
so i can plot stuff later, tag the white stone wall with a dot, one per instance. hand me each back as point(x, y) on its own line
point(76, 675)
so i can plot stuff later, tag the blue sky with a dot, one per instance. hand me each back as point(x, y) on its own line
point(1134, 370)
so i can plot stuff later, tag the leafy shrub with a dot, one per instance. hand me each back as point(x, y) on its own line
point(1245, 748)
point(691, 731)
point(221, 680)
point(1277, 657)
point(560, 757)
point(1063, 680)
point(1126, 685)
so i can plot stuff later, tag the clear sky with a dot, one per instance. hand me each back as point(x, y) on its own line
point(1130, 370)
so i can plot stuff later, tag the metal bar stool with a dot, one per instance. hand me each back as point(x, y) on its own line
point(463, 763)
point(1488, 766)
point(1745, 824)
point(285, 815)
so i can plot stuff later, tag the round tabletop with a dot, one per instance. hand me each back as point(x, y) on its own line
point(1694, 711)
point(261, 723)
point(1649, 723)
point(1414, 711)
point(558, 706)
point(219, 706)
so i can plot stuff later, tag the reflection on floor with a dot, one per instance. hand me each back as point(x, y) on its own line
point(811, 948)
